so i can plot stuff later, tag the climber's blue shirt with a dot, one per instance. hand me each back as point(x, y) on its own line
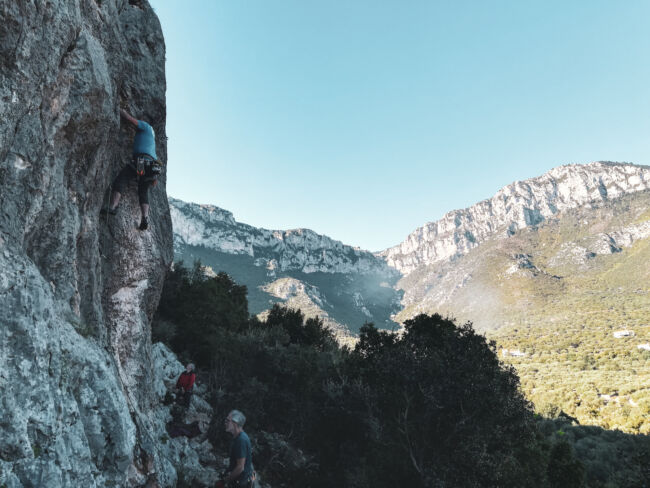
point(145, 140)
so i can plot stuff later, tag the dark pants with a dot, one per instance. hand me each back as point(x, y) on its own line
point(144, 182)
point(183, 397)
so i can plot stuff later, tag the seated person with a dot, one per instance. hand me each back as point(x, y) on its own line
point(185, 385)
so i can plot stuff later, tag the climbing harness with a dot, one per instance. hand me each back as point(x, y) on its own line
point(156, 167)
point(144, 162)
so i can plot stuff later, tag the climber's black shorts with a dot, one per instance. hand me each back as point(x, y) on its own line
point(144, 182)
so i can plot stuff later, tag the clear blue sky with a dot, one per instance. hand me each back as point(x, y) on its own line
point(363, 120)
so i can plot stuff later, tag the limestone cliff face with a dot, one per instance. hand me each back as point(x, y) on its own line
point(343, 285)
point(77, 292)
point(282, 250)
point(519, 205)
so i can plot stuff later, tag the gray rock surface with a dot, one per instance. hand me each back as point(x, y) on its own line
point(199, 466)
point(78, 405)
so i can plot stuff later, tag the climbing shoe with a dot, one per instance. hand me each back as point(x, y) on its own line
point(108, 211)
point(144, 223)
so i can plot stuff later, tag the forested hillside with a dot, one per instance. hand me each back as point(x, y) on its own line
point(431, 407)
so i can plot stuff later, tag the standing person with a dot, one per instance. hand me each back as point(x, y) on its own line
point(185, 385)
point(240, 472)
point(143, 167)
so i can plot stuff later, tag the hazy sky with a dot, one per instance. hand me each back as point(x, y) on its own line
point(363, 120)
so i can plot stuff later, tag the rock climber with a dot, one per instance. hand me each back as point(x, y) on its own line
point(144, 167)
point(185, 385)
point(240, 471)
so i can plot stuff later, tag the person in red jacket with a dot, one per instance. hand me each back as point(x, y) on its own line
point(185, 385)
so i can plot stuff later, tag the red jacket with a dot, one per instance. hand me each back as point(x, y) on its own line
point(186, 381)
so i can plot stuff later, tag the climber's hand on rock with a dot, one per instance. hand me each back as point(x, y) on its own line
point(127, 116)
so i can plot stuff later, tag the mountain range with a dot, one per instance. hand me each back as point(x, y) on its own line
point(553, 269)
point(456, 265)
point(344, 285)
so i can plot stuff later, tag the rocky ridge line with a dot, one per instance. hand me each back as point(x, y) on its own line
point(298, 249)
point(516, 206)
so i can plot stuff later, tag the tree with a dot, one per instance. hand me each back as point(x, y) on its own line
point(564, 471)
point(438, 409)
point(311, 332)
point(202, 308)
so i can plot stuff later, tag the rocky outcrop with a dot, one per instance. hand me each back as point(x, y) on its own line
point(282, 250)
point(514, 207)
point(77, 292)
point(196, 456)
point(308, 298)
point(601, 243)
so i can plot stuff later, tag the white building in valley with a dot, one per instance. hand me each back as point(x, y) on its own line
point(623, 333)
point(513, 353)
